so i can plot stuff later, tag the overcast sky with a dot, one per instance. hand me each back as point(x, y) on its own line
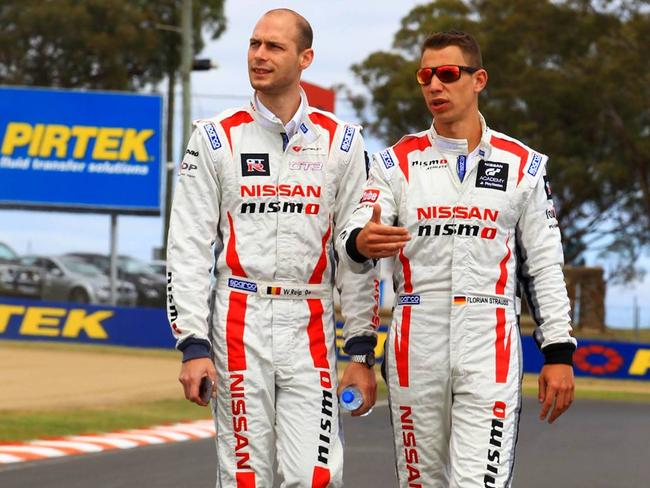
point(344, 33)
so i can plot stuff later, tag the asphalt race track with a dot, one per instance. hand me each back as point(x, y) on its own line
point(594, 445)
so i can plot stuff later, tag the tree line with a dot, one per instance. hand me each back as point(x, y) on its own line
point(570, 78)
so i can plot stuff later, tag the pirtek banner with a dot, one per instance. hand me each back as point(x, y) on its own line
point(80, 151)
point(31, 320)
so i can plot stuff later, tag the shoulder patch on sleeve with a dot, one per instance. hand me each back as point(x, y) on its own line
point(348, 135)
point(214, 141)
point(385, 160)
point(213, 137)
point(534, 167)
point(531, 163)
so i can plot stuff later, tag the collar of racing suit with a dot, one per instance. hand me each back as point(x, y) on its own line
point(292, 126)
point(459, 146)
point(269, 121)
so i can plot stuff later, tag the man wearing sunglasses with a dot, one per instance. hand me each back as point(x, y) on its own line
point(464, 211)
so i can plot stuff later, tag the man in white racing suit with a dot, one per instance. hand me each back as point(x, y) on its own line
point(465, 211)
point(261, 193)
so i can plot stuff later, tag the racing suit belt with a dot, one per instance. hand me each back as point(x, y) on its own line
point(275, 290)
point(459, 299)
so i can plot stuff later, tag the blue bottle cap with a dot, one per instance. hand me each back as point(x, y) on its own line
point(347, 396)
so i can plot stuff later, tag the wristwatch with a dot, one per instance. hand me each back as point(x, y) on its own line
point(368, 359)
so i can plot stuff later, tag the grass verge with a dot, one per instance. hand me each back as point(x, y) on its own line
point(21, 426)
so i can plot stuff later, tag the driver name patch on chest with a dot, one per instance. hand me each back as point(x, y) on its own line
point(492, 175)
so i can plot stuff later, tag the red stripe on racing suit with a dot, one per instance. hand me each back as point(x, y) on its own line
point(321, 477)
point(235, 320)
point(317, 345)
point(402, 346)
point(233, 121)
point(245, 480)
point(406, 146)
point(502, 352)
point(514, 148)
point(326, 123)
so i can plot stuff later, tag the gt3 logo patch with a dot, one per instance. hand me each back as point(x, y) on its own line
point(492, 175)
point(255, 164)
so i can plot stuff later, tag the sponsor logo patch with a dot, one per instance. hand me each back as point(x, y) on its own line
point(305, 166)
point(409, 300)
point(211, 131)
point(187, 169)
point(242, 285)
point(347, 139)
point(370, 195)
point(388, 161)
point(534, 165)
point(547, 188)
point(432, 164)
point(191, 152)
point(316, 149)
point(492, 175)
point(303, 128)
point(255, 164)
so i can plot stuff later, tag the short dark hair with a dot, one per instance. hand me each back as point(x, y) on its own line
point(305, 32)
point(463, 40)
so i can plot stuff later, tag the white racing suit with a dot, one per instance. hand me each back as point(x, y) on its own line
point(453, 354)
point(267, 209)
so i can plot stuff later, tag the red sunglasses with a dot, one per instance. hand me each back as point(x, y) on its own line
point(447, 73)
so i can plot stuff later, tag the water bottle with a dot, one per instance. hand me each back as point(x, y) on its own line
point(351, 399)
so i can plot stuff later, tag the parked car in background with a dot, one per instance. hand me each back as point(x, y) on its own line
point(159, 266)
point(151, 287)
point(71, 279)
point(17, 279)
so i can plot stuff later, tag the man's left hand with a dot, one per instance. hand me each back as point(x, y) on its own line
point(364, 378)
point(556, 388)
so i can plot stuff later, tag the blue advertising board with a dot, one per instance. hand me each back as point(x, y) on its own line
point(80, 151)
point(32, 320)
point(593, 358)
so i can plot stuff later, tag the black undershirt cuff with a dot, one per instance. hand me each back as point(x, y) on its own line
point(351, 247)
point(360, 345)
point(559, 353)
point(193, 348)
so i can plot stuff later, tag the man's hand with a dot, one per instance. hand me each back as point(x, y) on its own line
point(556, 389)
point(190, 377)
point(377, 240)
point(364, 378)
